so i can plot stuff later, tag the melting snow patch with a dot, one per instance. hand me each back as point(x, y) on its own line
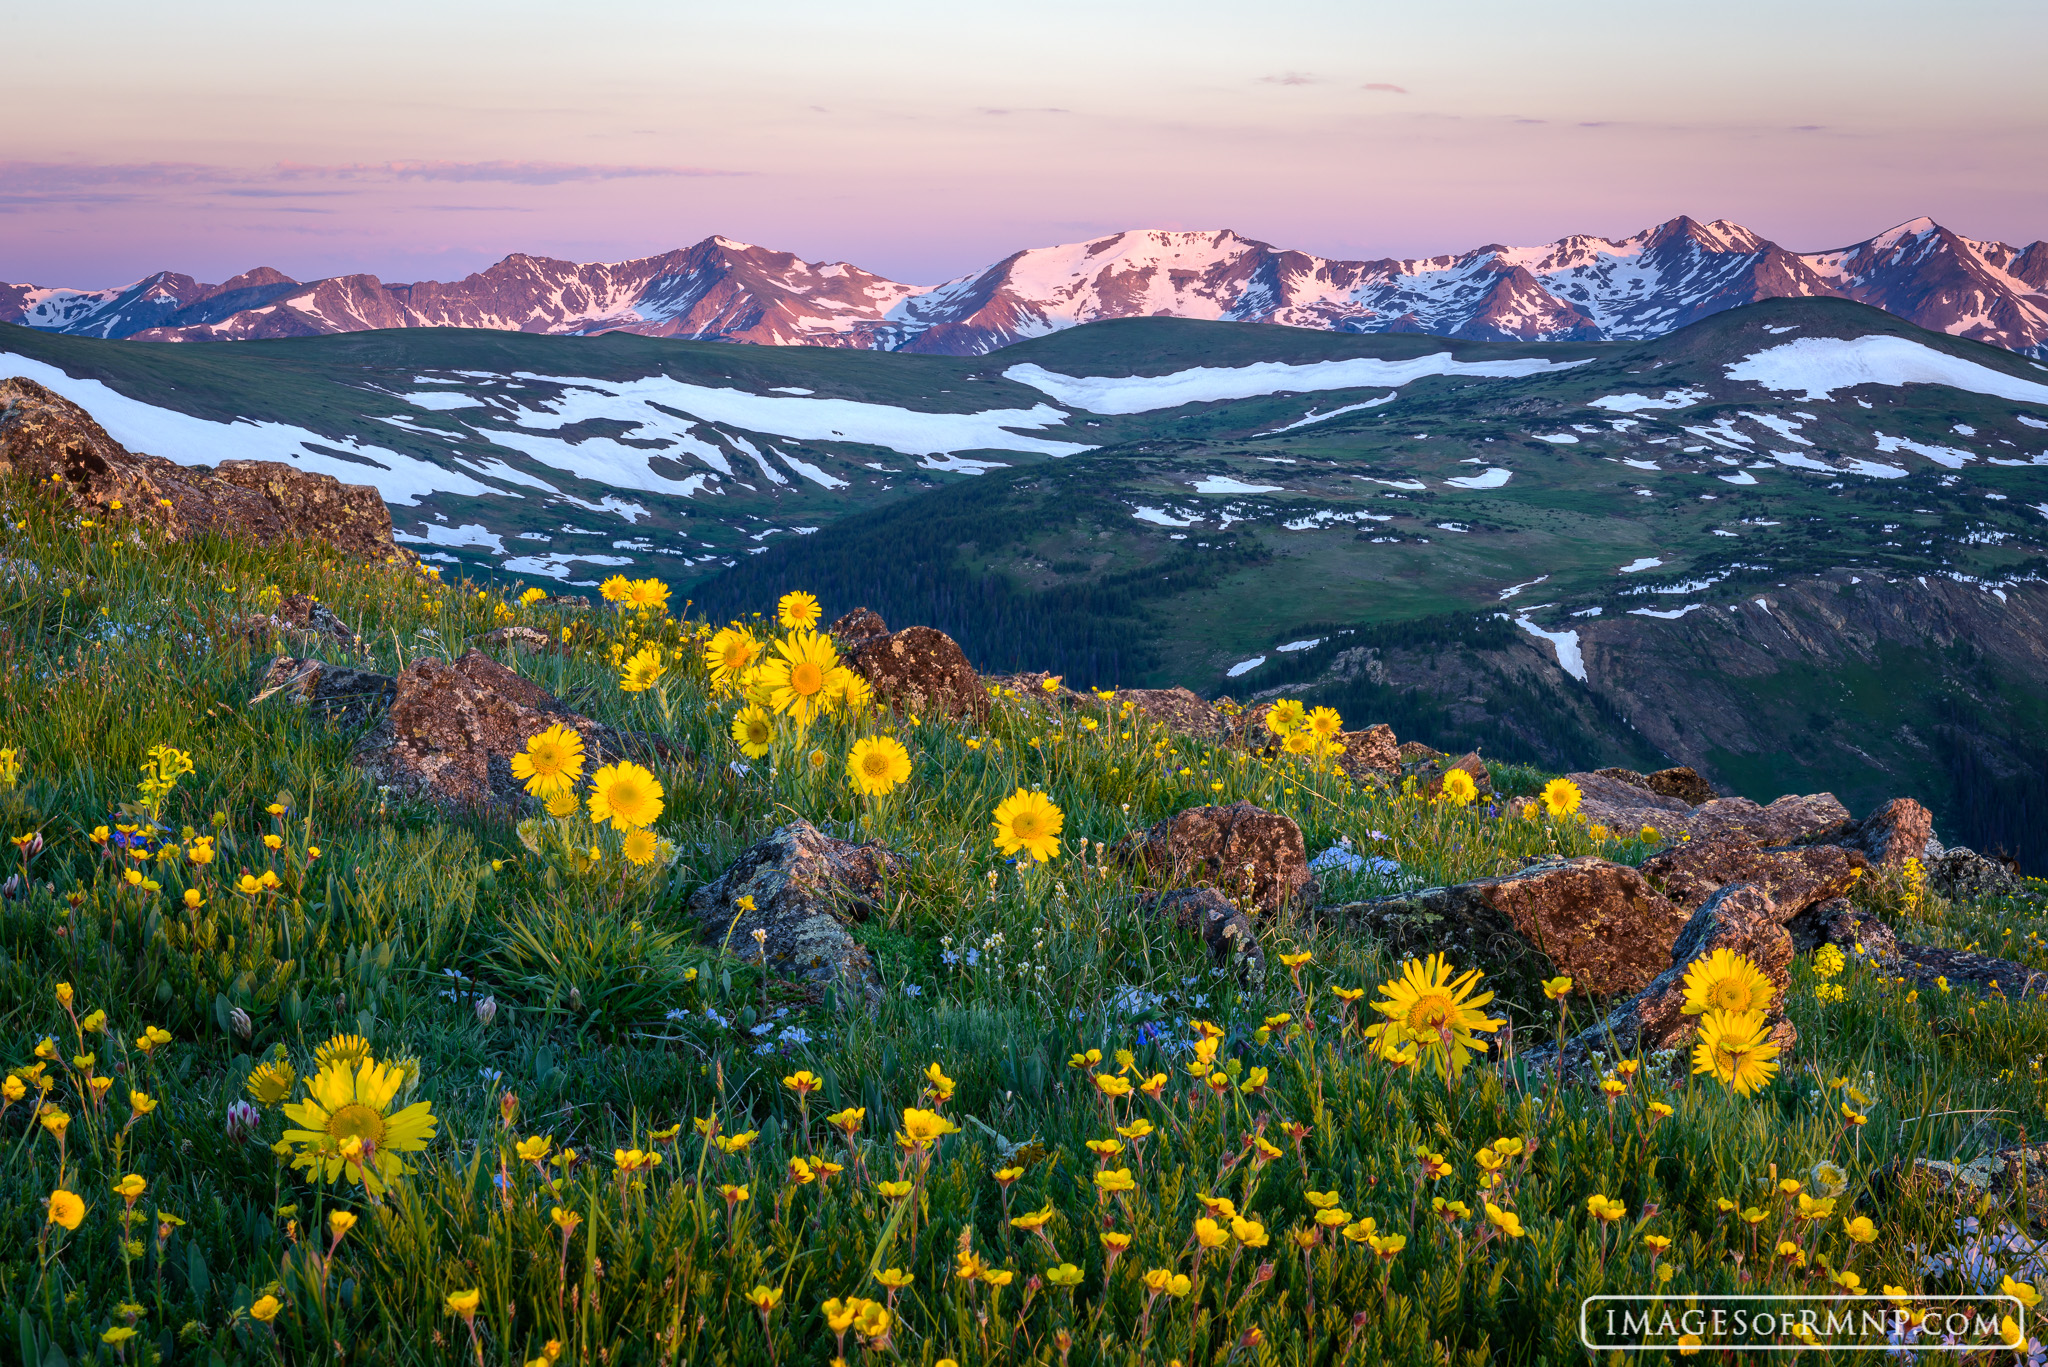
point(1948, 457)
point(1642, 464)
point(1643, 403)
point(791, 389)
point(631, 512)
point(1492, 478)
point(809, 471)
point(2041, 508)
point(1646, 563)
point(1224, 484)
point(1159, 518)
point(1671, 616)
point(1299, 645)
point(1558, 438)
point(1963, 429)
point(1821, 365)
point(2026, 421)
point(1415, 485)
point(1244, 667)
point(1781, 331)
point(1739, 477)
point(469, 534)
point(1209, 384)
point(1513, 589)
point(1566, 643)
point(557, 566)
point(1312, 416)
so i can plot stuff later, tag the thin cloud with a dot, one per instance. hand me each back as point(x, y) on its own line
point(1290, 78)
point(498, 172)
point(70, 175)
point(1038, 109)
point(1385, 88)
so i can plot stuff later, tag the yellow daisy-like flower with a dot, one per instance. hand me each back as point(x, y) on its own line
point(1736, 1049)
point(271, 1083)
point(797, 673)
point(1459, 788)
point(617, 589)
point(1561, 797)
point(625, 795)
point(347, 1125)
point(1029, 821)
point(562, 805)
point(1726, 981)
point(728, 655)
point(1434, 1008)
point(343, 1050)
point(754, 729)
point(642, 846)
point(641, 672)
point(1286, 717)
point(1299, 743)
point(1325, 723)
point(647, 595)
point(551, 763)
point(877, 765)
point(798, 611)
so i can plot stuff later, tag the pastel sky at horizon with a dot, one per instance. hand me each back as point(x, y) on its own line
point(926, 140)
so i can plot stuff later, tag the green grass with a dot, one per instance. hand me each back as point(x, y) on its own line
point(115, 645)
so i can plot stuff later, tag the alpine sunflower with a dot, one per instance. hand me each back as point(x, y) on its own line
point(348, 1126)
point(1286, 716)
point(617, 589)
point(642, 671)
point(625, 795)
point(642, 846)
point(754, 729)
point(798, 611)
point(1736, 1049)
point(877, 764)
point(1299, 743)
point(648, 595)
point(1459, 788)
point(346, 1050)
point(551, 762)
point(796, 681)
point(1029, 821)
point(1726, 981)
point(728, 655)
point(1560, 797)
point(271, 1082)
point(1434, 1008)
point(1326, 723)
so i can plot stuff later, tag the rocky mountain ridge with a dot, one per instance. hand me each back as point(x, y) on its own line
point(1579, 288)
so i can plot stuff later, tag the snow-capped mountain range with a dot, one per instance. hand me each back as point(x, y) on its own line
point(1577, 288)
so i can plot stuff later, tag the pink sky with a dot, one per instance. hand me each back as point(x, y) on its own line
point(926, 140)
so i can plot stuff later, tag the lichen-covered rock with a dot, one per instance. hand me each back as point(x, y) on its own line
point(518, 637)
point(1178, 710)
point(1682, 783)
point(858, 628)
point(335, 693)
point(43, 435)
point(304, 621)
point(1741, 918)
point(1592, 919)
point(451, 730)
point(1242, 850)
point(1928, 967)
point(921, 670)
point(1414, 751)
point(1373, 751)
point(1794, 879)
point(2015, 1176)
point(1858, 934)
point(807, 890)
point(1429, 774)
point(1963, 875)
point(1891, 835)
point(1621, 804)
point(1232, 940)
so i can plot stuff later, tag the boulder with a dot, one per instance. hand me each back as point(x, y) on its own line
point(920, 670)
point(1414, 751)
point(1857, 934)
point(1682, 783)
point(1242, 850)
point(1794, 878)
point(857, 628)
point(43, 435)
point(807, 890)
point(2014, 1171)
point(1962, 875)
point(1621, 804)
point(305, 621)
point(1233, 942)
point(1923, 965)
point(335, 693)
point(1429, 774)
point(1598, 921)
point(517, 637)
point(1741, 918)
point(1891, 835)
point(1178, 710)
point(1373, 751)
point(451, 730)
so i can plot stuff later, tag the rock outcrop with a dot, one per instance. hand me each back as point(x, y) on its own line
point(335, 693)
point(1373, 752)
point(920, 670)
point(857, 628)
point(1243, 851)
point(52, 440)
point(1178, 710)
point(305, 622)
point(806, 889)
point(1232, 940)
point(451, 730)
point(1429, 774)
point(1741, 918)
point(1597, 921)
point(1959, 875)
point(1891, 835)
point(1794, 879)
point(1621, 805)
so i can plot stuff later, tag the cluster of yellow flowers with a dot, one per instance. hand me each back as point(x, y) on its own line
point(624, 795)
point(798, 676)
point(1311, 735)
point(1732, 997)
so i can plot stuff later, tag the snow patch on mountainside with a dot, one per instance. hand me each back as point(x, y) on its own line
point(1821, 365)
point(1125, 394)
point(1643, 403)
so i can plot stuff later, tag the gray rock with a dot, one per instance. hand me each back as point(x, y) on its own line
point(1224, 928)
point(335, 693)
point(808, 889)
point(1963, 875)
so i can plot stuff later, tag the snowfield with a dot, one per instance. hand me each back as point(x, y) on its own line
point(1566, 643)
point(1491, 478)
point(1821, 365)
point(1643, 403)
point(1209, 384)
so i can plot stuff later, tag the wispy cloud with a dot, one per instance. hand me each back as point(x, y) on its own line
point(1384, 88)
point(43, 176)
point(1036, 109)
point(1290, 78)
point(501, 172)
